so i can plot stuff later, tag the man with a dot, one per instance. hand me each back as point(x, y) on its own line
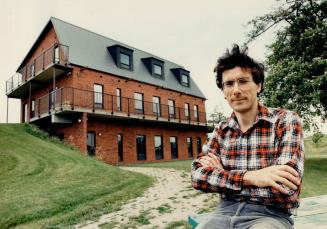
point(254, 159)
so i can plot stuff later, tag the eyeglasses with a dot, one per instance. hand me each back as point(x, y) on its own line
point(241, 83)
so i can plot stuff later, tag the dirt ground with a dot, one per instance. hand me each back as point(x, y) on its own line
point(167, 203)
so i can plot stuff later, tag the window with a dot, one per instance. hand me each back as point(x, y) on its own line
point(185, 80)
point(138, 98)
point(156, 105)
point(32, 69)
point(33, 108)
point(187, 110)
point(120, 147)
point(198, 145)
point(171, 108)
point(140, 148)
point(196, 111)
point(125, 61)
point(91, 143)
point(118, 94)
point(98, 95)
point(122, 56)
point(154, 66)
point(189, 147)
point(158, 147)
point(56, 54)
point(157, 69)
point(173, 147)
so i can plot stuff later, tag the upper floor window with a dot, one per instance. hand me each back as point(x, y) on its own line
point(171, 108)
point(185, 80)
point(125, 60)
point(156, 105)
point(122, 56)
point(187, 109)
point(32, 69)
point(196, 111)
point(138, 100)
point(56, 54)
point(157, 69)
point(154, 66)
point(98, 95)
point(118, 96)
point(182, 75)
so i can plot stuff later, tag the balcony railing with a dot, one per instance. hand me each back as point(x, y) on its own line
point(56, 54)
point(64, 99)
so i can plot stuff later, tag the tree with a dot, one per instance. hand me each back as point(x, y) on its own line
point(297, 65)
point(216, 117)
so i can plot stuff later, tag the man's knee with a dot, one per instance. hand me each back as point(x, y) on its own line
point(271, 224)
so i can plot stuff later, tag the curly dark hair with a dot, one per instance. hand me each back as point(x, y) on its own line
point(239, 58)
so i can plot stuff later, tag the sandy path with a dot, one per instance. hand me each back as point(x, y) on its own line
point(170, 199)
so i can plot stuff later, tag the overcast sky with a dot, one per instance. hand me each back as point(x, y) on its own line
point(191, 33)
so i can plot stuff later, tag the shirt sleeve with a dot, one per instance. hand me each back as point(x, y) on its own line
point(213, 179)
point(291, 147)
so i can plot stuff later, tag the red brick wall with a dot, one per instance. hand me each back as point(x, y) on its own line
point(87, 78)
point(106, 132)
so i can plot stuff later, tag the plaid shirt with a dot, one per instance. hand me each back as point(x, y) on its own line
point(274, 139)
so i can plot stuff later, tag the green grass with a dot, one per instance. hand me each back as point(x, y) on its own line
point(45, 183)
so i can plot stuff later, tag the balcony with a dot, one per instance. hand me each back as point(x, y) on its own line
point(53, 62)
point(67, 100)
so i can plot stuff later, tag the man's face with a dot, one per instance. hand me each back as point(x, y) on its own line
point(240, 90)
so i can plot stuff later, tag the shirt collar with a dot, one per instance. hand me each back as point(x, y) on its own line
point(263, 114)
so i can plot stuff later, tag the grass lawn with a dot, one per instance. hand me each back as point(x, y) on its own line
point(47, 184)
point(315, 168)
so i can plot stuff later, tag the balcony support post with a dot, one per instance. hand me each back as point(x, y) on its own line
point(7, 109)
point(112, 104)
point(29, 102)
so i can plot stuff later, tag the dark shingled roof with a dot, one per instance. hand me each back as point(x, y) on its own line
point(89, 49)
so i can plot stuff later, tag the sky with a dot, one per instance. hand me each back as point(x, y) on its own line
point(191, 33)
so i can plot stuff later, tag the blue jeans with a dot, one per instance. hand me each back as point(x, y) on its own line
point(232, 214)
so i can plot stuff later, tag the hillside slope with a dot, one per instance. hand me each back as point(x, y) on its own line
point(44, 183)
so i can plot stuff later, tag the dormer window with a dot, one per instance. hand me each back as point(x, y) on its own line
point(185, 80)
point(157, 70)
point(182, 75)
point(154, 66)
point(122, 56)
point(125, 61)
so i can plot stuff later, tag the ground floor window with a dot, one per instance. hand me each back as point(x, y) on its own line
point(91, 143)
point(198, 145)
point(140, 148)
point(173, 147)
point(158, 147)
point(189, 147)
point(120, 147)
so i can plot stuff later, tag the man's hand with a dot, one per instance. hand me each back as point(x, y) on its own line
point(273, 176)
point(211, 160)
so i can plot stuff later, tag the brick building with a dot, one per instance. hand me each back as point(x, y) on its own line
point(112, 101)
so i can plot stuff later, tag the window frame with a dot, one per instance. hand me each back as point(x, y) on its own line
point(189, 147)
point(156, 107)
point(158, 155)
point(141, 156)
point(138, 101)
point(173, 114)
point(174, 155)
point(96, 103)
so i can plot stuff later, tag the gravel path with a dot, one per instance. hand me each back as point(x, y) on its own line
point(170, 199)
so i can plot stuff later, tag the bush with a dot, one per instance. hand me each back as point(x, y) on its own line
point(316, 137)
